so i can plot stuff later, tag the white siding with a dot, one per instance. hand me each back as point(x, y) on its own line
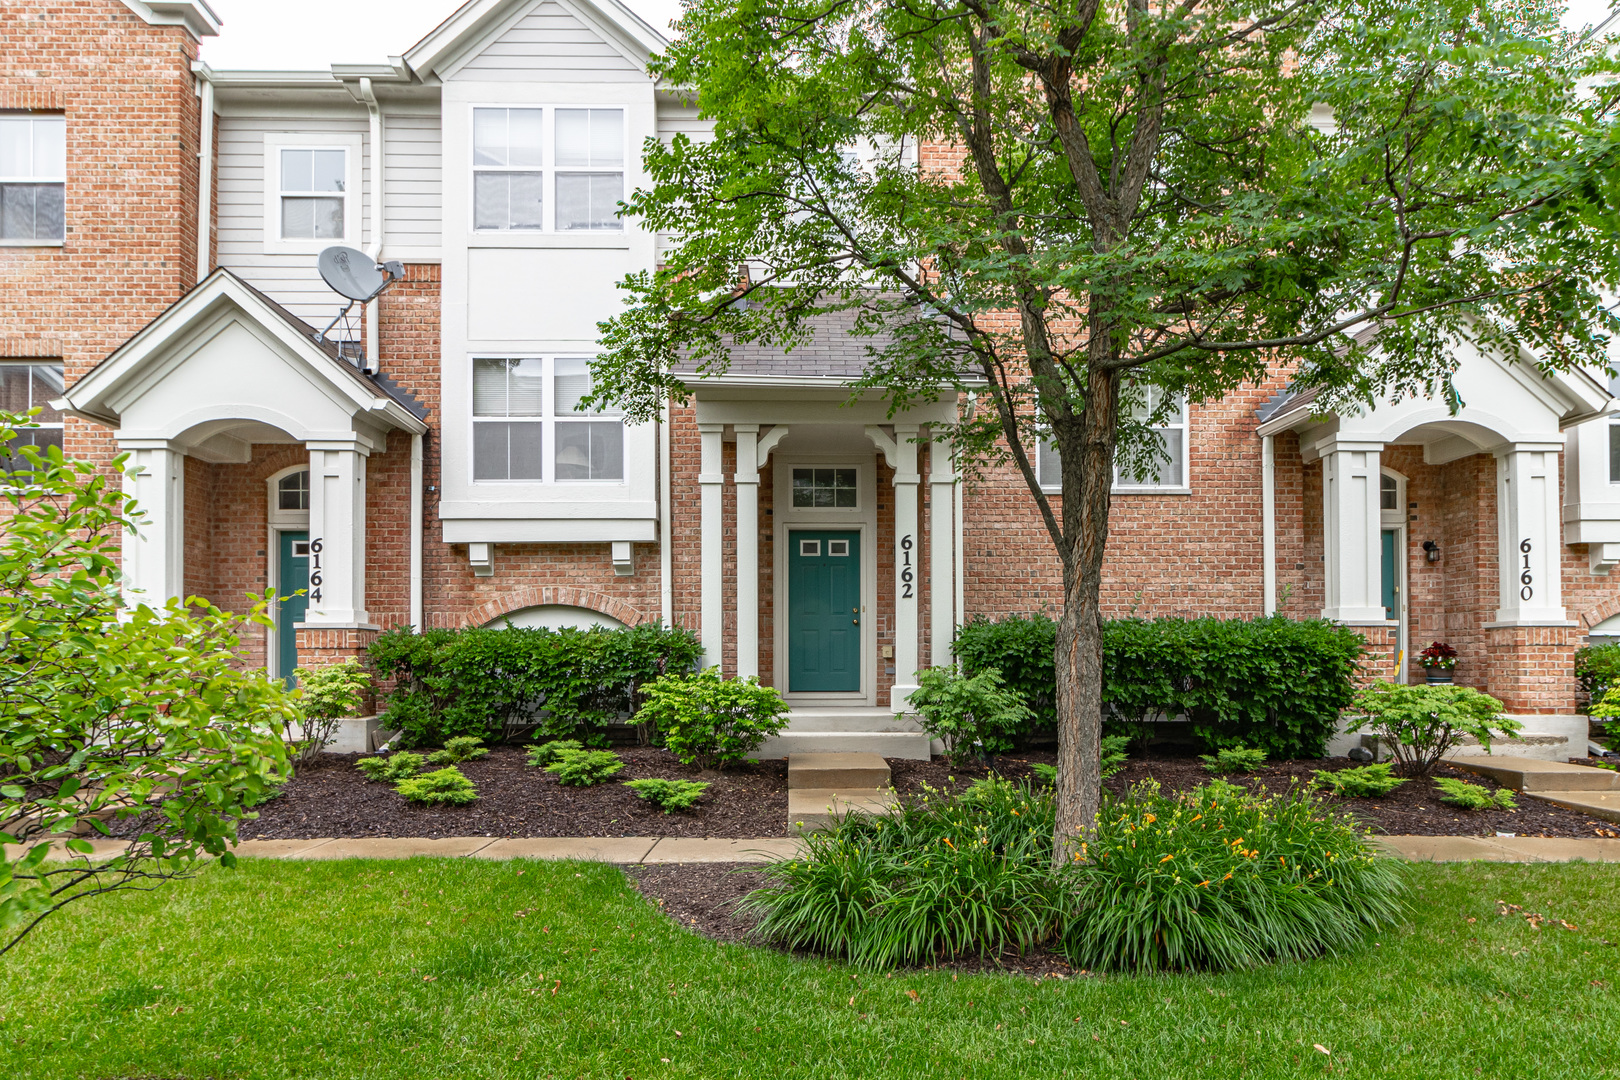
point(676, 120)
point(551, 44)
point(413, 186)
point(291, 280)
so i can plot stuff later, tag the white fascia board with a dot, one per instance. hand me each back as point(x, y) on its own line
point(560, 531)
point(450, 44)
point(195, 15)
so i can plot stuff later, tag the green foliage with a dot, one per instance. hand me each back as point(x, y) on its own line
point(1233, 760)
point(1214, 879)
point(1362, 782)
point(1114, 758)
point(668, 795)
point(442, 787)
point(459, 749)
point(1597, 669)
point(393, 768)
point(711, 721)
point(106, 712)
point(327, 695)
point(583, 768)
point(548, 752)
point(480, 681)
point(1461, 793)
point(968, 713)
point(1217, 878)
point(1608, 708)
point(1274, 683)
point(1420, 723)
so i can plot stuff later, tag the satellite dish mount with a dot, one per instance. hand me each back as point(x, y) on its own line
point(355, 276)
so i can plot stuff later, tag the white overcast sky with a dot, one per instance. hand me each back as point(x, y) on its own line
point(313, 34)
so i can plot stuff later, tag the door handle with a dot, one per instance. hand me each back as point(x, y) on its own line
point(855, 622)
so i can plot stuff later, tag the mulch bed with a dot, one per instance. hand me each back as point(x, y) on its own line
point(329, 798)
point(702, 897)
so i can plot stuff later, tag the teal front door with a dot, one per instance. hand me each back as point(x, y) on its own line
point(292, 563)
point(824, 612)
point(1392, 586)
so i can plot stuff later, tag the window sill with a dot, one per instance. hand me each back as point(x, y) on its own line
point(34, 243)
point(520, 239)
point(1130, 490)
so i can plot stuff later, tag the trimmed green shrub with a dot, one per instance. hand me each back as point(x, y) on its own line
point(1597, 669)
point(1420, 723)
point(461, 748)
point(481, 681)
point(711, 721)
point(968, 713)
point(1608, 708)
point(1234, 760)
point(392, 768)
point(668, 795)
point(1273, 683)
point(1217, 878)
point(1461, 793)
point(442, 787)
point(1363, 782)
point(327, 695)
point(1212, 879)
point(546, 753)
point(583, 768)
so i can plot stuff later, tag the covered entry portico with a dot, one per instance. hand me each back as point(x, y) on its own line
point(227, 378)
point(1442, 523)
point(829, 540)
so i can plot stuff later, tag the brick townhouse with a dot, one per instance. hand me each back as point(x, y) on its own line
point(425, 463)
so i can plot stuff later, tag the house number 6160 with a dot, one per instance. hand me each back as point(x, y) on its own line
point(1525, 579)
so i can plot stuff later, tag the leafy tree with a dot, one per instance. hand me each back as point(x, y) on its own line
point(1118, 205)
point(107, 712)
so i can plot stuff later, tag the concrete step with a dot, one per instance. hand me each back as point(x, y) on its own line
point(1530, 775)
point(863, 719)
point(910, 746)
point(832, 772)
point(1599, 804)
point(818, 808)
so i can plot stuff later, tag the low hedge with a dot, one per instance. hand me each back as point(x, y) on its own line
point(484, 681)
point(1273, 683)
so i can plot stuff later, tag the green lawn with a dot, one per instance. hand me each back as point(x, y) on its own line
point(426, 969)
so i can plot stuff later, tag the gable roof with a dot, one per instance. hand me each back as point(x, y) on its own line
point(446, 44)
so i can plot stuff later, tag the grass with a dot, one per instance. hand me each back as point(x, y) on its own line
point(468, 969)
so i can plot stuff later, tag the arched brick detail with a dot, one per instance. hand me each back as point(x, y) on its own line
point(565, 595)
point(1607, 609)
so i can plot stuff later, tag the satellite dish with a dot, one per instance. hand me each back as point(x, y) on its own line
point(352, 273)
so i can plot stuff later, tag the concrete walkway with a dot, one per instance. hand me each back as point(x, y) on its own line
point(628, 850)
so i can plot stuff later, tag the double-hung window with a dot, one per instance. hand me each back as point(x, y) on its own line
point(24, 385)
point(526, 159)
point(33, 178)
point(529, 425)
point(1164, 470)
point(312, 192)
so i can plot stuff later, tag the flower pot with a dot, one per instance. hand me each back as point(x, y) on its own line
point(1435, 675)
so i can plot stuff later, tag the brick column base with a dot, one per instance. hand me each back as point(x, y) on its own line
point(318, 647)
point(1531, 669)
point(1378, 662)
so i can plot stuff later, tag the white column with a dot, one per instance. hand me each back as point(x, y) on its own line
point(1527, 517)
point(747, 479)
point(1351, 522)
point(337, 534)
point(711, 481)
point(154, 555)
point(906, 661)
point(1268, 525)
point(941, 552)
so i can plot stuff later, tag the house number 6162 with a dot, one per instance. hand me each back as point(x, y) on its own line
point(906, 576)
point(1525, 579)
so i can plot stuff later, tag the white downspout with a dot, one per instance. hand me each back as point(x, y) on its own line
point(958, 495)
point(416, 533)
point(666, 552)
point(1268, 523)
point(205, 174)
point(375, 248)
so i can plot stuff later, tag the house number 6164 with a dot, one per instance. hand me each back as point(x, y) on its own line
point(1525, 579)
point(315, 547)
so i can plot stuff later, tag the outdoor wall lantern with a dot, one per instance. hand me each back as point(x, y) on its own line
point(1431, 550)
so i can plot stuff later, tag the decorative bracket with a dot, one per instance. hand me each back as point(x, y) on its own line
point(769, 442)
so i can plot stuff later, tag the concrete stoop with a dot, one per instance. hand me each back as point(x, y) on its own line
point(848, 730)
point(1581, 788)
point(825, 787)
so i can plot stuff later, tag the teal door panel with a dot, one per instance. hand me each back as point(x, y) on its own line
point(292, 563)
point(824, 611)
point(1391, 578)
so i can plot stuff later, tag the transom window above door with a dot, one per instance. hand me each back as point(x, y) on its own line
point(292, 491)
point(528, 159)
point(826, 488)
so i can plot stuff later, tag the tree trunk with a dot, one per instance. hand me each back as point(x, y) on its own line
point(1088, 476)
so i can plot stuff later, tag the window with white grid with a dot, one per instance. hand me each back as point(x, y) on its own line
point(529, 423)
point(33, 178)
point(540, 168)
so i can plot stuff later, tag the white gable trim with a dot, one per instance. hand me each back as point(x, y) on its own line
point(477, 23)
